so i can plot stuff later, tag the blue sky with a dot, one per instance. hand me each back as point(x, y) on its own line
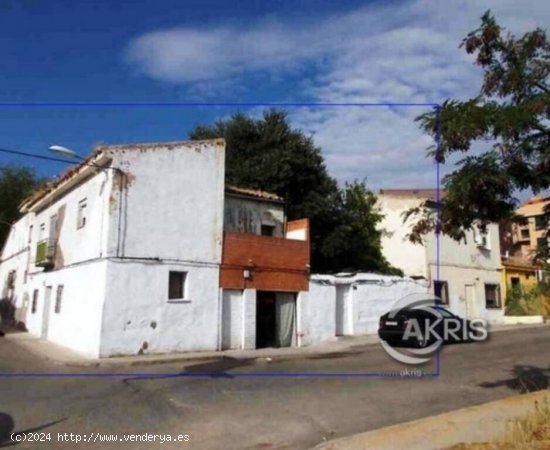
point(249, 51)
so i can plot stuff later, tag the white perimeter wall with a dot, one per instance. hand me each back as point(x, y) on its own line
point(370, 296)
point(317, 312)
point(139, 317)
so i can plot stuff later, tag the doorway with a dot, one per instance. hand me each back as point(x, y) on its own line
point(232, 319)
point(471, 304)
point(275, 319)
point(46, 312)
point(343, 311)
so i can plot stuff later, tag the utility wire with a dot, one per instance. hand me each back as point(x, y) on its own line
point(51, 158)
point(34, 155)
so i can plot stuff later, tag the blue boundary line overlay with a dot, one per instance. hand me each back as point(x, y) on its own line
point(224, 375)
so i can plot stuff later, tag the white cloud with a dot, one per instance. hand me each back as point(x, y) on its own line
point(405, 52)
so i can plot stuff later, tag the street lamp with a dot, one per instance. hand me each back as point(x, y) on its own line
point(64, 151)
point(68, 153)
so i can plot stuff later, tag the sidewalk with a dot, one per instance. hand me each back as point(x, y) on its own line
point(60, 355)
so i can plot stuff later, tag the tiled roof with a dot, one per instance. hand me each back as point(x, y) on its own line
point(533, 207)
point(253, 193)
point(518, 261)
point(423, 193)
point(75, 169)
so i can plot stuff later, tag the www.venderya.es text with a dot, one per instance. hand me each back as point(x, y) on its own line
point(99, 437)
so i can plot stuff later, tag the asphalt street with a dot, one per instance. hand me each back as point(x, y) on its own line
point(232, 404)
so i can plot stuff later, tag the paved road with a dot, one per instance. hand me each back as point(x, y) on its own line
point(264, 412)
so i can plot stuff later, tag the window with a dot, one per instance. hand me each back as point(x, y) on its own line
point(81, 215)
point(441, 291)
point(42, 234)
point(540, 222)
point(525, 233)
point(53, 228)
point(492, 296)
point(541, 243)
point(58, 298)
point(268, 230)
point(481, 238)
point(34, 303)
point(176, 285)
point(11, 279)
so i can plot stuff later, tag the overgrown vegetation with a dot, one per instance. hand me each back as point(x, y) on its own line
point(521, 302)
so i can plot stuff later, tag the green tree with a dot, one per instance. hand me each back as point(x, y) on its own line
point(267, 154)
point(509, 118)
point(16, 183)
point(356, 241)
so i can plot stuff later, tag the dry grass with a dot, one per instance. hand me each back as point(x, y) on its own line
point(528, 433)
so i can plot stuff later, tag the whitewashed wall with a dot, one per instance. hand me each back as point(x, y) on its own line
point(166, 214)
point(172, 220)
point(463, 264)
point(370, 296)
point(316, 311)
point(173, 204)
point(374, 296)
point(77, 325)
point(138, 317)
point(396, 247)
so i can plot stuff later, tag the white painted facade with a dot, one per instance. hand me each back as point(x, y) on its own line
point(132, 214)
point(466, 266)
point(164, 213)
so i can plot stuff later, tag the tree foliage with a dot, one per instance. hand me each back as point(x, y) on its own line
point(267, 154)
point(16, 183)
point(509, 119)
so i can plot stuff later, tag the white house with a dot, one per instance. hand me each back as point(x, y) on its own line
point(126, 253)
point(465, 274)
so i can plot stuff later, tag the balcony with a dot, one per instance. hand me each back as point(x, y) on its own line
point(45, 253)
point(264, 263)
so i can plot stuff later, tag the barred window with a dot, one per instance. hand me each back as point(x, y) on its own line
point(492, 296)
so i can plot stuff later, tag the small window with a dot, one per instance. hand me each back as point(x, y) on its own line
point(525, 233)
point(34, 303)
point(441, 291)
point(492, 296)
point(540, 222)
point(81, 216)
point(268, 230)
point(11, 279)
point(58, 298)
point(176, 285)
point(42, 234)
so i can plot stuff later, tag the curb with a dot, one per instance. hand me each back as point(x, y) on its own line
point(484, 423)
